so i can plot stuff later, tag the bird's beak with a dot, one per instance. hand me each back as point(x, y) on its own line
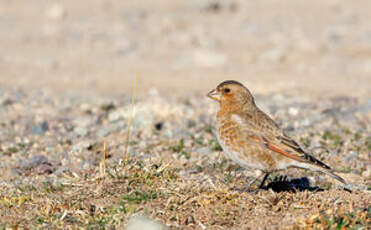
point(213, 94)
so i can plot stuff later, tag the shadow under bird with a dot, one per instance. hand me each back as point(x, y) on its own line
point(253, 140)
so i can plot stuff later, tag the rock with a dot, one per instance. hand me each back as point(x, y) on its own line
point(84, 121)
point(142, 222)
point(33, 162)
point(366, 107)
point(367, 172)
point(293, 111)
point(108, 107)
point(40, 128)
point(15, 172)
point(39, 163)
point(6, 101)
point(81, 131)
point(352, 155)
point(159, 125)
point(44, 168)
point(61, 170)
point(116, 115)
point(81, 146)
point(110, 128)
point(204, 150)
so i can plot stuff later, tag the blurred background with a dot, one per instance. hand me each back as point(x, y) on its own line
point(314, 48)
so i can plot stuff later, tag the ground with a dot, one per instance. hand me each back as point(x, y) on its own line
point(67, 74)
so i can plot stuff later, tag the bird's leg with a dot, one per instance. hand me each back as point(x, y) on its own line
point(247, 189)
point(264, 179)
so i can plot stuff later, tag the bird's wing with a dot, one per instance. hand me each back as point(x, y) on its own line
point(268, 133)
point(288, 147)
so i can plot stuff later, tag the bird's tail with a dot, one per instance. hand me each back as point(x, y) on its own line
point(328, 171)
point(333, 175)
point(346, 186)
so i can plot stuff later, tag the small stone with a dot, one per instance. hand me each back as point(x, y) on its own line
point(159, 125)
point(61, 170)
point(351, 156)
point(105, 131)
point(81, 131)
point(44, 168)
point(84, 121)
point(142, 222)
point(33, 162)
point(204, 150)
point(293, 111)
point(367, 173)
point(41, 128)
point(81, 146)
point(191, 123)
point(107, 107)
point(366, 107)
point(15, 172)
point(6, 101)
point(116, 115)
point(87, 108)
point(306, 122)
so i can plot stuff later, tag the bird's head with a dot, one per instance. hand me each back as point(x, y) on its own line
point(232, 94)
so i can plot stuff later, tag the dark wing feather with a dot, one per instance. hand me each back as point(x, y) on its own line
point(291, 144)
point(267, 132)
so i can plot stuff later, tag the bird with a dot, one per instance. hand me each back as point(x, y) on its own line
point(253, 140)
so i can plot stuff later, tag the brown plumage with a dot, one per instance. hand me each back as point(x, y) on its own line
point(252, 139)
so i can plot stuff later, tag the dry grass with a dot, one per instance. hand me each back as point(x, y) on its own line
point(205, 199)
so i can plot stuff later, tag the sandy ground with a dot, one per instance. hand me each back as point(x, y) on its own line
point(315, 48)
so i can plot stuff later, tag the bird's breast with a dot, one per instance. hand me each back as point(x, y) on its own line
point(236, 146)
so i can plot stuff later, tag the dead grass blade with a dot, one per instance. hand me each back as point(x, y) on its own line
point(130, 119)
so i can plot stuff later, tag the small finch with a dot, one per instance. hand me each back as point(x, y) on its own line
point(253, 140)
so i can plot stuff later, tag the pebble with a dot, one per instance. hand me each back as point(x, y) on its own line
point(81, 131)
point(367, 172)
point(44, 169)
point(61, 170)
point(6, 101)
point(40, 128)
point(110, 128)
point(352, 155)
point(39, 163)
point(116, 115)
point(293, 111)
point(143, 222)
point(80, 146)
point(204, 150)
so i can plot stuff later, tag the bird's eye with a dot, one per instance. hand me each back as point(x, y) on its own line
point(227, 90)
